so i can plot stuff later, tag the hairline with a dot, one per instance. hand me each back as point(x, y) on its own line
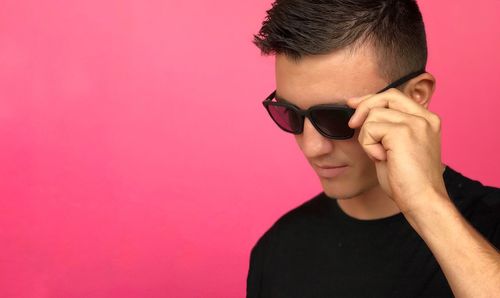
point(385, 72)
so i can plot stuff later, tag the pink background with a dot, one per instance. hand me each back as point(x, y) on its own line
point(136, 158)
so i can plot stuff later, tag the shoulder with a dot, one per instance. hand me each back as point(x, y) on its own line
point(300, 217)
point(468, 193)
point(478, 203)
point(307, 213)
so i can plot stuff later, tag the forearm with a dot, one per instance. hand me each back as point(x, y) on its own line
point(469, 262)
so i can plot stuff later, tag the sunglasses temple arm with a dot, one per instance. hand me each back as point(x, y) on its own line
point(402, 80)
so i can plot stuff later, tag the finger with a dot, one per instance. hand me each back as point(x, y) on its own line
point(354, 101)
point(391, 99)
point(375, 138)
point(386, 115)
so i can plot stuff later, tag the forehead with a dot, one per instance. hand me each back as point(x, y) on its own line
point(329, 78)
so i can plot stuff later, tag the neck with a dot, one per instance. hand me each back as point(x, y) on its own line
point(371, 204)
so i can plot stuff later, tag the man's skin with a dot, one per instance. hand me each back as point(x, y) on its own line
point(393, 161)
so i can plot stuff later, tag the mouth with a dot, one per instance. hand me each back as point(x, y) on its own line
point(330, 171)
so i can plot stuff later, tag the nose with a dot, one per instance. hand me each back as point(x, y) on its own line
point(312, 143)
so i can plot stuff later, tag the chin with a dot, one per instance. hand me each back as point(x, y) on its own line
point(345, 189)
point(338, 190)
point(340, 195)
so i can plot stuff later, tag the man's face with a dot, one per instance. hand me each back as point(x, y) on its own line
point(332, 78)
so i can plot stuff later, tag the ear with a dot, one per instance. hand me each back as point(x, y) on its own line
point(421, 89)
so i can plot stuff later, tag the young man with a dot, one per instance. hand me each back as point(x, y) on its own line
point(392, 220)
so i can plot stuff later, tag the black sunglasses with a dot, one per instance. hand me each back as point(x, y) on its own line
point(331, 120)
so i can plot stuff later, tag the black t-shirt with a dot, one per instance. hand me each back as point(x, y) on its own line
point(316, 250)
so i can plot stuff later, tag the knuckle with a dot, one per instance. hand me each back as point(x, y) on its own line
point(361, 135)
point(368, 124)
point(374, 113)
point(394, 91)
point(364, 131)
point(405, 129)
point(435, 120)
point(420, 122)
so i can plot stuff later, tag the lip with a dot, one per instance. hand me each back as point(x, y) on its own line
point(330, 171)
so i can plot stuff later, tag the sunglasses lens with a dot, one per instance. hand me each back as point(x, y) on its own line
point(333, 122)
point(286, 118)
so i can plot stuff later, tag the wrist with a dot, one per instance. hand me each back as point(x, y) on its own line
point(437, 207)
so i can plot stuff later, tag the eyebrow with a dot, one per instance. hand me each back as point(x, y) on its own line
point(281, 99)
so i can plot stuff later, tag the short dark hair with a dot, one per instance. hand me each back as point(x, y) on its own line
point(394, 28)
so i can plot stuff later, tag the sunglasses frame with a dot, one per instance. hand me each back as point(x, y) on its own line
point(339, 107)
